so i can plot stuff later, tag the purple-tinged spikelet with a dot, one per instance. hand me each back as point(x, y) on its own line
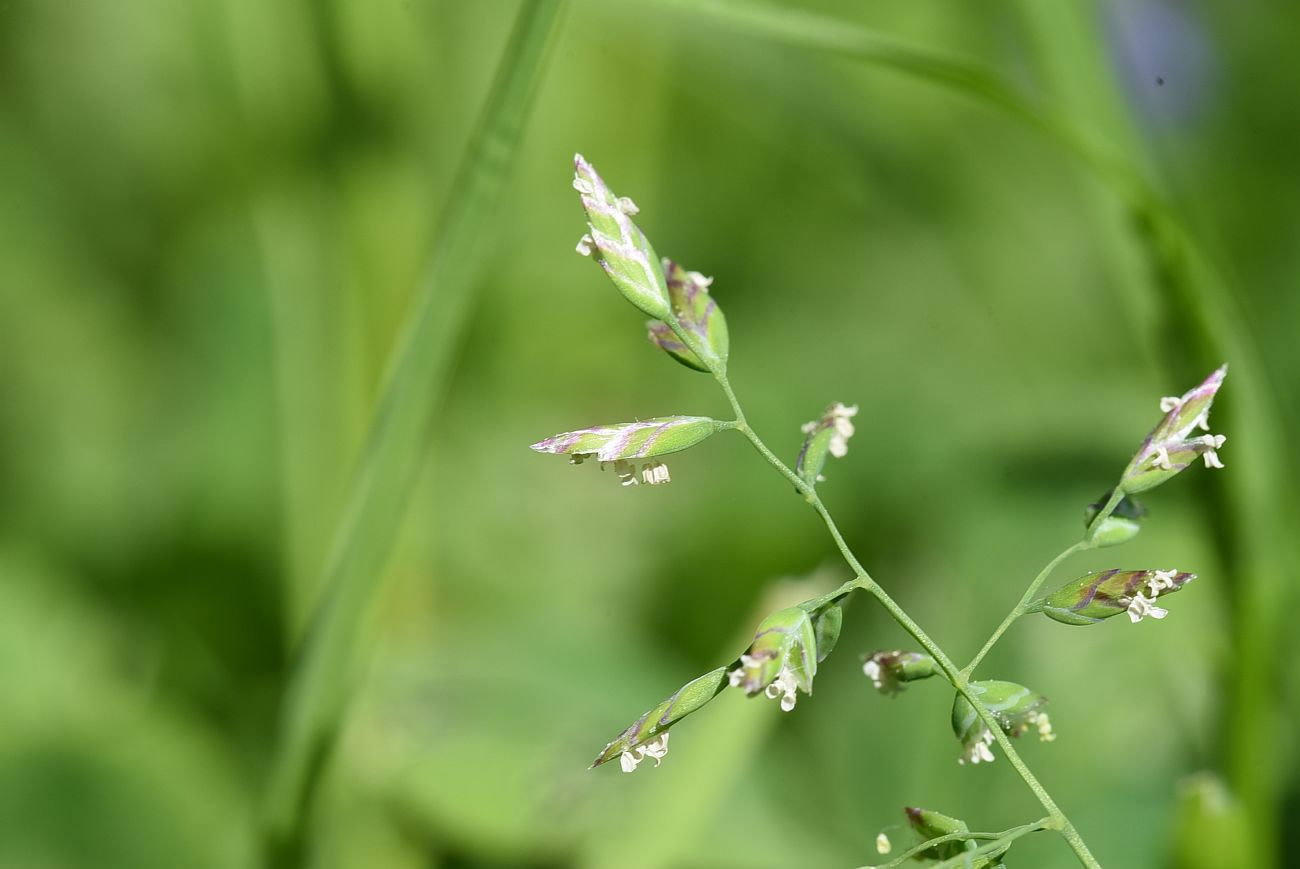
point(1097, 596)
point(699, 316)
point(618, 245)
point(1171, 447)
point(624, 443)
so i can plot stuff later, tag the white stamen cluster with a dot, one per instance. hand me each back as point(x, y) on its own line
point(656, 748)
point(1161, 580)
point(1210, 442)
point(627, 206)
point(883, 845)
point(1044, 725)
point(1213, 442)
point(783, 686)
point(652, 473)
point(655, 473)
point(843, 429)
point(978, 750)
point(1140, 606)
point(837, 416)
point(875, 673)
point(585, 244)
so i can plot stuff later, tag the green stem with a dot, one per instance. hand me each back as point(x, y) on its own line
point(321, 679)
point(966, 859)
point(946, 666)
point(1019, 608)
point(1116, 495)
point(1016, 832)
point(865, 582)
point(1088, 541)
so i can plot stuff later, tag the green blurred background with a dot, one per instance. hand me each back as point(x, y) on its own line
point(215, 221)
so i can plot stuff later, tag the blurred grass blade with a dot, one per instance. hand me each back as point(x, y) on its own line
point(390, 460)
point(826, 34)
point(794, 26)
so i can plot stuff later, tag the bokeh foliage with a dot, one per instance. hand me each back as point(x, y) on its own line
point(216, 215)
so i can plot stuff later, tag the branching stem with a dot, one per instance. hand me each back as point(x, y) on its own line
point(1019, 608)
point(1088, 541)
point(990, 848)
point(865, 582)
point(996, 840)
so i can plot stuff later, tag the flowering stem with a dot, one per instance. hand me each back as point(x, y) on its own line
point(949, 670)
point(1088, 541)
point(966, 859)
point(1019, 608)
point(1006, 836)
point(865, 582)
point(743, 427)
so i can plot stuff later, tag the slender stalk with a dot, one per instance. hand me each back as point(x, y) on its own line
point(321, 679)
point(1041, 824)
point(963, 860)
point(1019, 608)
point(1116, 495)
point(946, 666)
point(1088, 541)
point(864, 581)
